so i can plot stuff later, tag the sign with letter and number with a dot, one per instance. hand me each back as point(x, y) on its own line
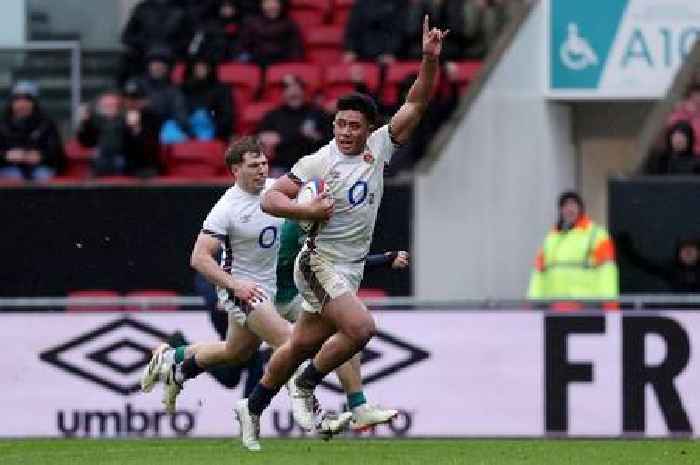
point(618, 49)
point(449, 373)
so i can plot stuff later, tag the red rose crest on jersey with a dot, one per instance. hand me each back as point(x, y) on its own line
point(368, 157)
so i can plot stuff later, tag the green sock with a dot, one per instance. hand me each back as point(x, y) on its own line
point(180, 354)
point(355, 399)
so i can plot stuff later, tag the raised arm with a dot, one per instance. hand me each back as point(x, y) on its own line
point(407, 117)
point(279, 201)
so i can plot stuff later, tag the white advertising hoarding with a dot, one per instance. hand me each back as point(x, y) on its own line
point(450, 373)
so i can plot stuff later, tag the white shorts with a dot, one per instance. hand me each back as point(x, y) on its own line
point(320, 280)
point(238, 310)
point(292, 309)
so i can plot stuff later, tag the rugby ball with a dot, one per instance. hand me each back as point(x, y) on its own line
point(308, 192)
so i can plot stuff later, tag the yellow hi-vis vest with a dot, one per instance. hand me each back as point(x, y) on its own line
point(575, 264)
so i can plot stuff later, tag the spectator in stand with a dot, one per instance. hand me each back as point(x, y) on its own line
point(678, 156)
point(154, 23)
point(219, 36)
point(577, 259)
point(164, 98)
point(441, 106)
point(294, 129)
point(689, 110)
point(372, 32)
point(681, 273)
point(483, 22)
point(271, 36)
point(445, 14)
point(209, 102)
point(119, 137)
point(30, 145)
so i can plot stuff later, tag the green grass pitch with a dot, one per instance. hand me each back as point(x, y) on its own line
point(346, 452)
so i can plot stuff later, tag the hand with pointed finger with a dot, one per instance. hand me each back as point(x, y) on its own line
point(432, 39)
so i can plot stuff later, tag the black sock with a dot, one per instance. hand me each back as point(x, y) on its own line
point(190, 369)
point(310, 377)
point(260, 398)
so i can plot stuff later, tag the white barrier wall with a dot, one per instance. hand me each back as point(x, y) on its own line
point(13, 23)
point(486, 203)
point(451, 373)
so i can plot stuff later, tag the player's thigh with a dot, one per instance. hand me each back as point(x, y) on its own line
point(350, 316)
point(241, 342)
point(268, 325)
point(310, 331)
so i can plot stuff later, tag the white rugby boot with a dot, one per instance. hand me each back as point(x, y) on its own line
point(304, 403)
point(366, 416)
point(156, 368)
point(330, 423)
point(171, 389)
point(250, 426)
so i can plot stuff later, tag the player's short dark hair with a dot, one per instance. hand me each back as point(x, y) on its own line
point(362, 103)
point(239, 147)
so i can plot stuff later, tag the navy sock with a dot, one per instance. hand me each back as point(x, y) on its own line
point(190, 369)
point(310, 377)
point(260, 398)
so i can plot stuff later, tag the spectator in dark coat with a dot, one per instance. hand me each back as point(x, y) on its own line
point(164, 98)
point(272, 36)
point(154, 23)
point(209, 101)
point(220, 35)
point(373, 30)
point(30, 145)
point(294, 129)
point(678, 157)
point(123, 136)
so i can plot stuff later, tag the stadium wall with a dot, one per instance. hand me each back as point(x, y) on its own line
point(13, 23)
point(483, 207)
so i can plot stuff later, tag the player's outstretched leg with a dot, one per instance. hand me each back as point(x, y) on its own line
point(364, 415)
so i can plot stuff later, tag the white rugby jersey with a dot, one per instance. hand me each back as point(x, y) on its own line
point(357, 184)
point(250, 237)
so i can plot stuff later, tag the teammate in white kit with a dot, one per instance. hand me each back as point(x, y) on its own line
point(245, 280)
point(328, 271)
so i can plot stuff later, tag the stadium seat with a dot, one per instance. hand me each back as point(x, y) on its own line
point(196, 159)
point(324, 44)
point(252, 115)
point(177, 75)
point(338, 79)
point(371, 293)
point(309, 73)
point(395, 74)
point(92, 294)
point(466, 72)
point(78, 159)
point(244, 78)
point(151, 293)
point(309, 13)
point(341, 11)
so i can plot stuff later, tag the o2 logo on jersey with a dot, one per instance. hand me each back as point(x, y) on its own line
point(267, 237)
point(358, 193)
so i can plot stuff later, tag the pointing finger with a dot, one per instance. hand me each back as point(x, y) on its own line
point(425, 25)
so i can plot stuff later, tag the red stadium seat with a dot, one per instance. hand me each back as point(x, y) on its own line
point(196, 159)
point(309, 73)
point(371, 293)
point(92, 294)
point(152, 293)
point(396, 73)
point(177, 75)
point(341, 11)
point(324, 44)
point(466, 72)
point(308, 13)
point(252, 115)
point(338, 78)
point(244, 78)
point(78, 159)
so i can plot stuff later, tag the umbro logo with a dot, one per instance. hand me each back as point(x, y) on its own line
point(112, 355)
